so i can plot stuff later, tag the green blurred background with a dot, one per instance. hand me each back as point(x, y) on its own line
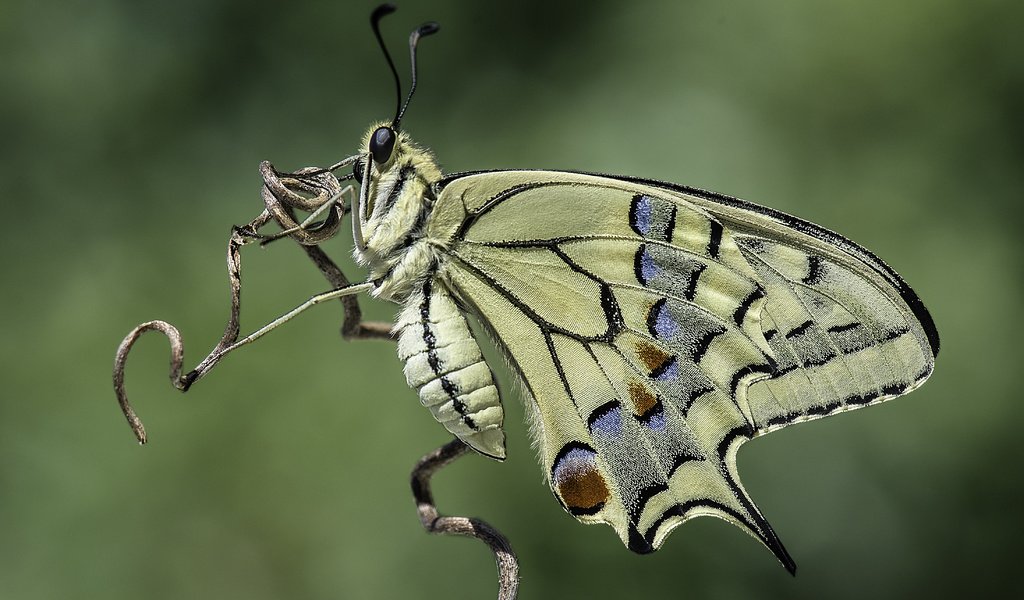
point(131, 132)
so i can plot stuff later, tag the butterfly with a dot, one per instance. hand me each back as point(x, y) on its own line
point(654, 327)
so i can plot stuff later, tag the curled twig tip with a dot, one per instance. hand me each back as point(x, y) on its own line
point(177, 356)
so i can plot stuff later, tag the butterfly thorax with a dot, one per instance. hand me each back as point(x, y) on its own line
point(399, 202)
point(442, 359)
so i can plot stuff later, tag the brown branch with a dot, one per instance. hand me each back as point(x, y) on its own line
point(434, 522)
point(293, 191)
point(177, 355)
point(281, 196)
point(239, 237)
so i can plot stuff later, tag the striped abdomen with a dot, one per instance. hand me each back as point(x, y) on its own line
point(443, 363)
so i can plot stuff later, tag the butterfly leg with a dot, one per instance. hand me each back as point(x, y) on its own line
point(434, 522)
point(184, 382)
point(353, 327)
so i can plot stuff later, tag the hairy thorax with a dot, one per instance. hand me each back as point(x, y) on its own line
point(400, 200)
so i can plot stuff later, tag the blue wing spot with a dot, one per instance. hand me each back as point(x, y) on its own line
point(641, 214)
point(607, 419)
point(644, 266)
point(660, 322)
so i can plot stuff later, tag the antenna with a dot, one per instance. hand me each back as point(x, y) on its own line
point(379, 13)
point(414, 40)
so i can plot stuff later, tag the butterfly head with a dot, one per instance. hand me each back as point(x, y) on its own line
point(384, 148)
point(384, 140)
point(380, 145)
point(394, 174)
point(387, 159)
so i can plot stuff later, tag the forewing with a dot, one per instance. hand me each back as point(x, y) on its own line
point(844, 328)
point(637, 320)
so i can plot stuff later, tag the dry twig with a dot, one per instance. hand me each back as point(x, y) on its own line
point(434, 522)
point(316, 190)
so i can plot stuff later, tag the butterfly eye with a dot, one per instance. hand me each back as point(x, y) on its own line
point(382, 143)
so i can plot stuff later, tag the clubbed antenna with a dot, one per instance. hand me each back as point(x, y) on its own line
point(414, 40)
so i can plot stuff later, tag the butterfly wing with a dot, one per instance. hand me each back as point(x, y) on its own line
point(639, 318)
point(845, 329)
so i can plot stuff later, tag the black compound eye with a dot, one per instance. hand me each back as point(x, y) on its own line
point(382, 143)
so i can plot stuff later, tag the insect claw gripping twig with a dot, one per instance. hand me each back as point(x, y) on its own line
point(434, 522)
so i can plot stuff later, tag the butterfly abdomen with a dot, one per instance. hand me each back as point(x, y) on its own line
point(444, 364)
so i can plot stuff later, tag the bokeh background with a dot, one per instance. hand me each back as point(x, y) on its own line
point(131, 132)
